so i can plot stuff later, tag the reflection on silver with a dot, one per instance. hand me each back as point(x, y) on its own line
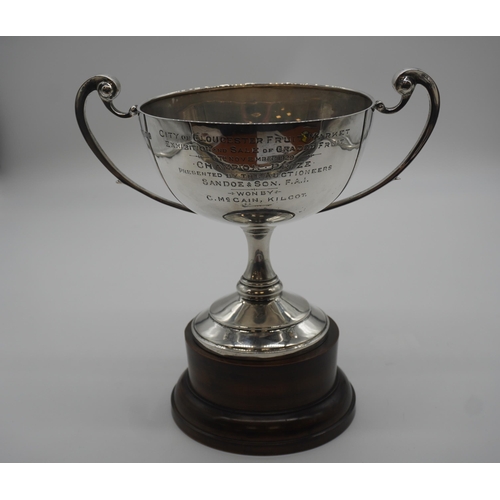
point(217, 158)
point(260, 340)
point(257, 155)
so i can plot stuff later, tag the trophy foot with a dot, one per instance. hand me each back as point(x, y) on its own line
point(234, 326)
point(264, 406)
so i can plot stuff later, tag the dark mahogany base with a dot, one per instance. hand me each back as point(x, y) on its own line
point(264, 406)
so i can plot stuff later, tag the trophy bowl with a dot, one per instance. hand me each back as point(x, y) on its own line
point(262, 375)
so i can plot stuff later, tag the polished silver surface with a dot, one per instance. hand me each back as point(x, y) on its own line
point(260, 319)
point(279, 150)
point(258, 155)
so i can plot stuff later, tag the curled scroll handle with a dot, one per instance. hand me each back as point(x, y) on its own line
point(108, 89)
point(404, 83)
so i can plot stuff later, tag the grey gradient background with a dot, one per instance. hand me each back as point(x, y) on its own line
point(98, 282)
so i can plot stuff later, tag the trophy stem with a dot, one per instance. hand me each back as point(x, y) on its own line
point(259, 281)
point(260, 319)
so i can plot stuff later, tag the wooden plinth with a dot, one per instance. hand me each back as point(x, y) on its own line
point(264, 406)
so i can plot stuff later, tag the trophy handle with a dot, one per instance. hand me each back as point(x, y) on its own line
point(404, 83)
point(108, 89)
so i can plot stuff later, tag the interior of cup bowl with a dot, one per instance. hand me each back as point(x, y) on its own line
point(258, 103)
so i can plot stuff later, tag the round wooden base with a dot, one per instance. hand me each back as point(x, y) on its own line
point(264, 406)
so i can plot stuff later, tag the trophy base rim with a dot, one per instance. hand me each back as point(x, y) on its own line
point(260, 441)
point(265, 406)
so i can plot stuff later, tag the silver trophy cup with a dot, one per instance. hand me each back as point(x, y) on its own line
point(256, 156)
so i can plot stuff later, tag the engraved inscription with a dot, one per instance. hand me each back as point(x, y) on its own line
point(253, 167)
point(248, 156)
